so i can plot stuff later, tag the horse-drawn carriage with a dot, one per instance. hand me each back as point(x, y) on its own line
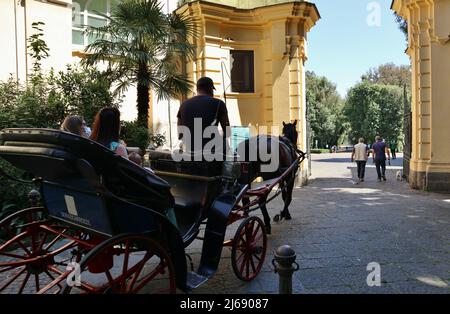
point(107, 225)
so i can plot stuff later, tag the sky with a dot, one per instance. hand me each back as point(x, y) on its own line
point(351, 37)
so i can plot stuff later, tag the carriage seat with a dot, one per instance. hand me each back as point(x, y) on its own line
point(162, 161)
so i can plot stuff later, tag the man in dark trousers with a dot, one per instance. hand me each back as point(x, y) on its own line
point(379, 152)
point(205, 109)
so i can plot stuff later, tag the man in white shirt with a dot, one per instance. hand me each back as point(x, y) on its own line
point(360, 155)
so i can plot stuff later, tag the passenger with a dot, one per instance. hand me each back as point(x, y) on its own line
point(136, 158)
point(73, 124)
point(106, 130)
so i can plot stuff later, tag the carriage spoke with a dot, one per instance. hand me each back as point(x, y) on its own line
point(247, 266)
point(241, 238)
point(24, 283)
point(109, 277)
point(12, 279)
point(257, 257)
point(244, 261)
point(55, 270)
point(52, 278)
point(56, 281)
point(123, 284)
point(7, 268)
point(256, 231)
point(259, 237)
point(36, 280)
point(147, 257)
point(53, 242)
point(252, 264)
point(240, 256)
point(13, 255)
point(149, 277)
point(15, 239)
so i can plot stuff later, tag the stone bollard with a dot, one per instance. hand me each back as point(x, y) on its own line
point(34, 197)
point(283, 263)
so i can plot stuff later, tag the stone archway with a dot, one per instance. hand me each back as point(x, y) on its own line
point(429, 51)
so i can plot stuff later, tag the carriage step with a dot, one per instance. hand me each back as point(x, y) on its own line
point(195, 280)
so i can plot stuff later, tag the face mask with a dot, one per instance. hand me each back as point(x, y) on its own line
point(87, 131)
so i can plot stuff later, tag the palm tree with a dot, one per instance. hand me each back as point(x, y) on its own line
point(143, 46)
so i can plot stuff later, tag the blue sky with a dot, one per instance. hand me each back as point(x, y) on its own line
point(342, 46)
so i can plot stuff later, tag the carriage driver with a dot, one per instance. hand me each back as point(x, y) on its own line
point(205, 109)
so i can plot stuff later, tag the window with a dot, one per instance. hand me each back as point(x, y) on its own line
point(86, 13)
point(242, 71)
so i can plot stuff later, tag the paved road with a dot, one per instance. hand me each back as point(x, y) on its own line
point(339, 227)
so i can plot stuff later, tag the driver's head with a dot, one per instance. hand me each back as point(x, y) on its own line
point(205, 86)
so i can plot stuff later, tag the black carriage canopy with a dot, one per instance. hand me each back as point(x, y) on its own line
point(65, 159)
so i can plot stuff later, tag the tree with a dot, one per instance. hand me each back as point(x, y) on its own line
point(374, 109)
point(389, 74)
point(402, 25)
point(141, 45)
point(38, 49)
point(324, 110)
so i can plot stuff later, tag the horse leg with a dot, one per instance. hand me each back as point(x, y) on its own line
point(279, 217)
point(287, 197)
point(262, 205)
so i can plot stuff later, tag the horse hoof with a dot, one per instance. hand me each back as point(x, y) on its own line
point(287, 216)
point(268, 230)
point(276, 218)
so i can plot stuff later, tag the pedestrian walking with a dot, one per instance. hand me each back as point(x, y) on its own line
point(360, 155)
point(393, 147)
point(379, 152)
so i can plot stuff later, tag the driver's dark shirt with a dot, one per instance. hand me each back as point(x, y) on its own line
point(204, 107)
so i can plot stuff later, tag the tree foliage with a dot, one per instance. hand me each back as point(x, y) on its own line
point(324, 110)
point(389, 74)
point(143, 46)
point(374, 109)
point(45, 101)
point(402, 25)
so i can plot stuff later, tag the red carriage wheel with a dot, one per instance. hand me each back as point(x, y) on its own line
point(125, 264)
point(34, 252)
point(249, 248)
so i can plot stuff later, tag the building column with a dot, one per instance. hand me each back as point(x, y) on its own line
point(429, 49)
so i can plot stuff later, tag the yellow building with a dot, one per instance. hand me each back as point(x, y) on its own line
point(256, 51)
point(429, 50)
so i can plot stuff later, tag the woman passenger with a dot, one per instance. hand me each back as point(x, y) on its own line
point(106, 130)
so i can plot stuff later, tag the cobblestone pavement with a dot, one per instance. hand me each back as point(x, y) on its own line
point(339, 227)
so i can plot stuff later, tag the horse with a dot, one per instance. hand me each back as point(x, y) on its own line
point(288, 154)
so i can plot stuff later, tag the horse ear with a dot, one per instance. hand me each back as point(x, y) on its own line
point(295, 123)
point(284, 124)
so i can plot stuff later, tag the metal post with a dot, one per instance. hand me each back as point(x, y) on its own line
point(284, 261)
point(34, 197)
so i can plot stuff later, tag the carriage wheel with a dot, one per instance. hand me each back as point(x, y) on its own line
point(33, 259)
point(249, 248)
point(125, 264)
